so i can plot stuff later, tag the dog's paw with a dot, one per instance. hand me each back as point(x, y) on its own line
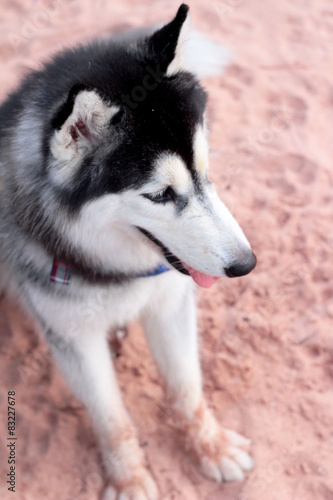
point(226, 458)
point(220, 454)
point(142, 487)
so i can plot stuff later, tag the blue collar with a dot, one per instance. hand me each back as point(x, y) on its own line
point(60, 273)
point(160, 269)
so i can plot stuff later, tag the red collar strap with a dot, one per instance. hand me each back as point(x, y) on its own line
point(60, 273)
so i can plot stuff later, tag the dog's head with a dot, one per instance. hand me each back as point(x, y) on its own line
point(127, 154)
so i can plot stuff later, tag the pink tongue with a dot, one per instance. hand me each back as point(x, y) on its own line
point(201, 279)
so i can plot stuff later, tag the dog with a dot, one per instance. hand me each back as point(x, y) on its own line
point(107, 214)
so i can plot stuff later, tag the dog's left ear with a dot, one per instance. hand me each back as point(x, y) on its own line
point(167, 43)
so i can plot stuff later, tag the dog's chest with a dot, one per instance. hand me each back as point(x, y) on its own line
point(93, 308)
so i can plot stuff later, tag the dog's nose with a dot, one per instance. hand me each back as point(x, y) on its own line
point(242, 268)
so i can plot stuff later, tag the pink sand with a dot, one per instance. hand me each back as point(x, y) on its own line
point(267, 350)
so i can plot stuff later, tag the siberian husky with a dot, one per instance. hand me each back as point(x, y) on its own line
point(107, 214)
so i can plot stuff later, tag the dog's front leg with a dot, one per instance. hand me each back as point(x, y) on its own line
point(170, 326)
point(86, 364)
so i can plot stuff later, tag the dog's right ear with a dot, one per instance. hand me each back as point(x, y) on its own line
point(166, 44)
point(78, 127)
point(176, 47)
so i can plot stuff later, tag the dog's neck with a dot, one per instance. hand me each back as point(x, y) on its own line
point(62, 273)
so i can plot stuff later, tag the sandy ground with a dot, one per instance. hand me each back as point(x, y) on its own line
point(266, 339)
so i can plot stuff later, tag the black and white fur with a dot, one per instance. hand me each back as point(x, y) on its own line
point(103, 163)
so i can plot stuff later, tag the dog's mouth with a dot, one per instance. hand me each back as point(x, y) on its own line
point(200, 278)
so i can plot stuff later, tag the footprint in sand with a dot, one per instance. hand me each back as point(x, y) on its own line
point(295, 179)
point(291, 108)
point(243, 75)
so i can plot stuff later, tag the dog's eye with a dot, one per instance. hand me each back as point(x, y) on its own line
point(163, 196)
